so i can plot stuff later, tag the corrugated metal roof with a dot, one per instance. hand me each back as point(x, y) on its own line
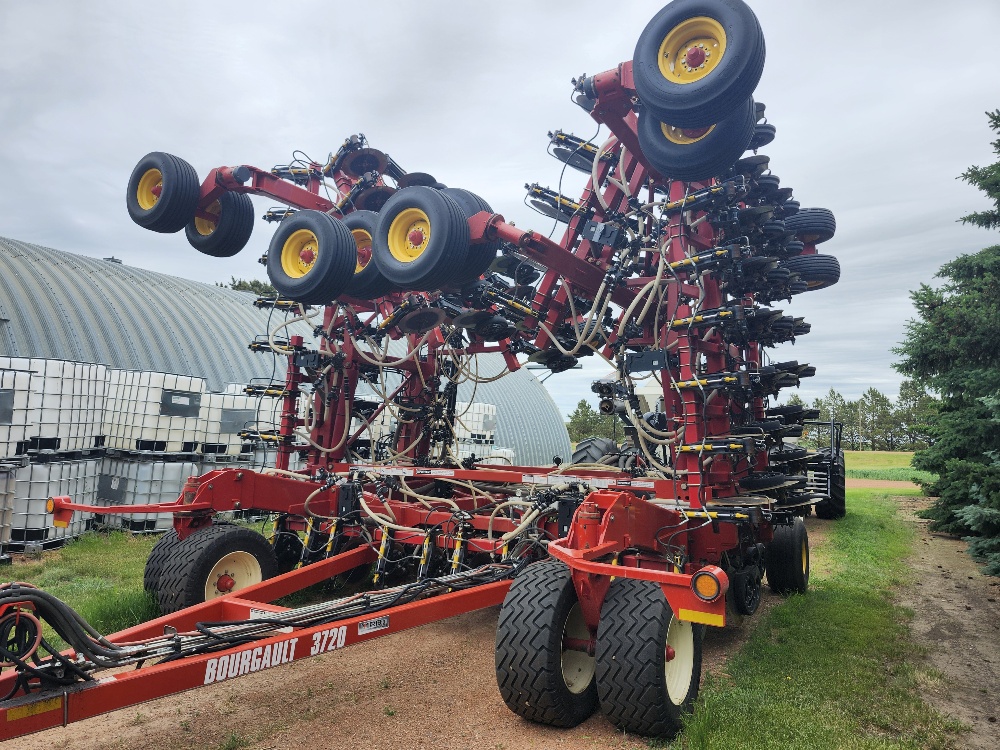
point(58, 305)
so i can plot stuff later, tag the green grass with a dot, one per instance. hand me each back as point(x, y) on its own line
point(877, 459)
point(99, 575)
point(829, 669)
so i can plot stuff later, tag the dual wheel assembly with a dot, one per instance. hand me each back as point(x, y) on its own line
point(163, 195)
point(418, 240)
point(643, 669)
point(213, 561)
point(695, 68)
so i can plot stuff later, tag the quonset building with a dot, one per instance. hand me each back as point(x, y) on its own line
point(56, 305)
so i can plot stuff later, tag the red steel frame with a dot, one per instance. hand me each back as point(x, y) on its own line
point(613, 531)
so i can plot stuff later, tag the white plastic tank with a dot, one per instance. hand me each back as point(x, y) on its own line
point(66, 400)
point(124, 481)
point(17, 414)
point(154, 411)
point(34, 484)
point(8, 475)
point(225, 415)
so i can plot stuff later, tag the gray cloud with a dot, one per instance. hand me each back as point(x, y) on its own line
point(877, 113)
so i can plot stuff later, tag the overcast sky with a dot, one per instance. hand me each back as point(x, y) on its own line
point(879, 106)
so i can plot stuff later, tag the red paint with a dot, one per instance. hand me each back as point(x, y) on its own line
point(695, 56)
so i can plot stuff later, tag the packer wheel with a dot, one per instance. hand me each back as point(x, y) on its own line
point(163, 193)
point(212, 562)
point(422, 239)
point(311, 258)
point(696, 154)
point(367, 282)
point(159, 556)
point(818, 271)
point(540, 678)
point(482, 254)
point(228, 232)
point(698, 60)
point(813, 225)
point(648, 661)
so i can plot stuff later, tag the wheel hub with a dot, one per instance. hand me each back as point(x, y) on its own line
point(225, 583)
point(416, 237)
point(695, 133)
point(306, 255)
point(696, 56)
point(670, 653)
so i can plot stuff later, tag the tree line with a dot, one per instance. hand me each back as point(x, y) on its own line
point(875, 422)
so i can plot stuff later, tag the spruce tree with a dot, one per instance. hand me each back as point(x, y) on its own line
point(952, 348)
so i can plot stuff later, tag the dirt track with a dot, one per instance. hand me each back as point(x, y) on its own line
point(957, 619)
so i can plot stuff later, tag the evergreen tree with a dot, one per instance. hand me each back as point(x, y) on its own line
point(585, 421)
point(258, 287)
point(953, 349)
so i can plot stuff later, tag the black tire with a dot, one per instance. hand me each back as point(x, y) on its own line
point(185, 577)
point(482, 254)
point(333, 255)
point(636, 691)
point(835, 507)
point(818, 271)
point(709, 155)
point(232, 229)
point(159, 556)
point(787, 559)
point(591, 450)
point(442, 253)
point(531, 663)
point(812, 225)
point(731, 80)
point(367, 281)
point(174, 207)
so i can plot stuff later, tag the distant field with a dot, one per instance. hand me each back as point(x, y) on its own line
point(877, 459)
point(884, 465)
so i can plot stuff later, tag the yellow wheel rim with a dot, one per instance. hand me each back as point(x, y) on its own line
point(805, 557)
point(148, 192)
point(684, 136)
point(235, 571)
point(692, 50)
point(363, 241)
point(299, 253)
point(204, 226)
point(409, 235)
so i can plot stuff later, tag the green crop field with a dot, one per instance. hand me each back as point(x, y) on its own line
point(891, 465)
